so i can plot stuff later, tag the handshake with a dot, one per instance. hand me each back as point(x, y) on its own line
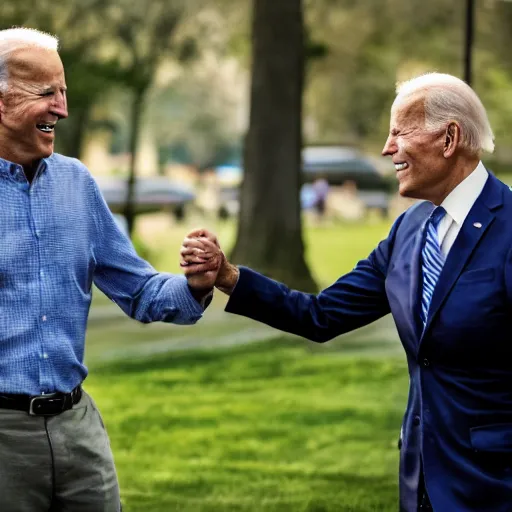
point(205, 265)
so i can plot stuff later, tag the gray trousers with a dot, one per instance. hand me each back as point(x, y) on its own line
point(60, 463)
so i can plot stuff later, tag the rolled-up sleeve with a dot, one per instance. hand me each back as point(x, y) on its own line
point(131, 282)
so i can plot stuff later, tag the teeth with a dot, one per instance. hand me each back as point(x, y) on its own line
point(400, 167)
point(47, 128)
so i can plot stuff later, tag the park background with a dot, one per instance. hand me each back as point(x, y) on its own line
point(230, 415)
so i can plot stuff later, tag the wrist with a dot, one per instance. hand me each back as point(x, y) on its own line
point(200, 293)
point(227, 281)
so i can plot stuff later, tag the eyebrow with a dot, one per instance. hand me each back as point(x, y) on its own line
point(50, 88)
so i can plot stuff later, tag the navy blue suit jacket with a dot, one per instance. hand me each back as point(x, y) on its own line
point(459, 413)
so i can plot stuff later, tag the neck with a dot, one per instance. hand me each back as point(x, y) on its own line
point(459, 172)
point(29, 168)
point(30, 171)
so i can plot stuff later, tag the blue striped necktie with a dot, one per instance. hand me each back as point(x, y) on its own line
point(432, 260)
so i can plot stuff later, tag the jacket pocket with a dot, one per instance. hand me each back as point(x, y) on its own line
point(495, 438)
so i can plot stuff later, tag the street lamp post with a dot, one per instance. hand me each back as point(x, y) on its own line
point(470, 25)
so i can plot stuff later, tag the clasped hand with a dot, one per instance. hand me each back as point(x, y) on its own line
point(204, 263)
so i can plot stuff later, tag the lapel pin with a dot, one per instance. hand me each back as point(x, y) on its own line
point(477, 224)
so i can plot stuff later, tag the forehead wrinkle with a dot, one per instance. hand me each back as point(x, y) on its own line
point(36, 65)
point(409, 111)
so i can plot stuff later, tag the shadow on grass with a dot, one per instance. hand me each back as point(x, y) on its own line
point(269, 355)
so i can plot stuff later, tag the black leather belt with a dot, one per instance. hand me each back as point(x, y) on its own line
point(42, 405)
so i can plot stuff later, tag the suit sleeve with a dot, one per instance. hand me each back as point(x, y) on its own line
point(355, 299)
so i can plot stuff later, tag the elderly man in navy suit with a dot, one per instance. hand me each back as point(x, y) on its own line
point(445, 274)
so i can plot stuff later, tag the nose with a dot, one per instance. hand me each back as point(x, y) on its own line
point(390, 147)
point(59, 106)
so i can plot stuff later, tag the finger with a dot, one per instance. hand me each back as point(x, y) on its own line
point(204, 248)
point(200, 243)
point(197, 268)
point(188, 259)
point(204, 233)
point(191, 261)
point(208, 246)
point(195, 251)
point(194, 242)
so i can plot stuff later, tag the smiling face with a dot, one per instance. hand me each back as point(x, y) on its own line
point(419, 155)
point(34, 102)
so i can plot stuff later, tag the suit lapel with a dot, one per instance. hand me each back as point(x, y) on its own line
point(474, 227)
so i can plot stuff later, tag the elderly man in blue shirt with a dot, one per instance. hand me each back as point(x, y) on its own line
point(58, 237)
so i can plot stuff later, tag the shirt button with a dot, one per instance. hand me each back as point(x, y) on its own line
point(43, 318)
point(45, 356)
point(38, 233)
point(426, 362)
point(41, 273)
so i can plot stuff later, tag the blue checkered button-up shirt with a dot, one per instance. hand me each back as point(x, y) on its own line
point(57, 237)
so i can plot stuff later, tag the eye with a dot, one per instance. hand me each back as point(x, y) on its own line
point(47, 93)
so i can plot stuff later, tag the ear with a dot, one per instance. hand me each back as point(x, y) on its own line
point(451, 139)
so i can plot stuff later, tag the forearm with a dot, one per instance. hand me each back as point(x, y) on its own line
point(356, 299)
point(265, 300)
point(151, 297)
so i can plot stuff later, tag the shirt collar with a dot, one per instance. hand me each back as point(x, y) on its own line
point(462, 198)
point(15, 171)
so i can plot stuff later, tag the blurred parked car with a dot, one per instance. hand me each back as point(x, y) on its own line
point(340, 165)
point(151, 195)
point(337, 164)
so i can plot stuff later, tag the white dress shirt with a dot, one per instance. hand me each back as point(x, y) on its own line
point(457, 204)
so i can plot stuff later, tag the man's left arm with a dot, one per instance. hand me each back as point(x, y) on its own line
point(132, 283)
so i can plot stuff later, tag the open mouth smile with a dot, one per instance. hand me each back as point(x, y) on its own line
point(46, 127)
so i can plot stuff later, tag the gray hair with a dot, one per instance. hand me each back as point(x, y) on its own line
point(14, 39)
point(448, 99)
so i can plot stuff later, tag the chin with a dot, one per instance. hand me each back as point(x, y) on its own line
point(404, 190)
point(410, 192)
point(45, 153)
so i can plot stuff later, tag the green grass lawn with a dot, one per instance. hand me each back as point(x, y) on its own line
point(280, 424)
point(273, 426)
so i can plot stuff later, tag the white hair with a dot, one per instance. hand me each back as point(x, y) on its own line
point(14, 39)
point(446, 99)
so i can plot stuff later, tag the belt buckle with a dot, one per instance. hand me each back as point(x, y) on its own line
point(43, 398)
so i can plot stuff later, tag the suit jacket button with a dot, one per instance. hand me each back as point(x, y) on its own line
point(426, 362)
point(416, 421)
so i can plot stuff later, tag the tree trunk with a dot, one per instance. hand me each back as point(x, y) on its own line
point(269, 237)
point(136, 119)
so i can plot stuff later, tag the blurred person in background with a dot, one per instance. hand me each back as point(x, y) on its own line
point(58, 237)
point(445, 274)
point(321, 191)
